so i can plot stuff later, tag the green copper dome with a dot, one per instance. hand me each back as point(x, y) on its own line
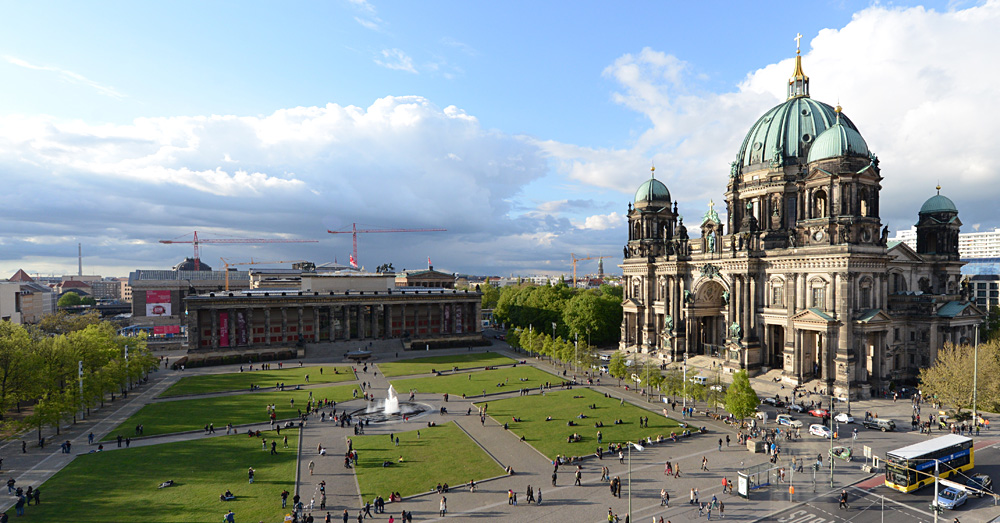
point(652, 190)
point(838, 141)
point(787, 131)
point(938, 203)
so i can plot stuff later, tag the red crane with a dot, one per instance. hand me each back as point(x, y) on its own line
point(196, 241)
point(354, 234)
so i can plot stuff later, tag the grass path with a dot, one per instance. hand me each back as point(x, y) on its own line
point(432, 363)
point(503, 379)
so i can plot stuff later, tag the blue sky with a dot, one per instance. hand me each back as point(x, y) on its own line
point(522, 128)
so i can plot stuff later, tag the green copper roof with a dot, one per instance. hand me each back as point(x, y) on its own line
point(938, 203)
point(838, 141)
point(788, 130)
point(652, 190)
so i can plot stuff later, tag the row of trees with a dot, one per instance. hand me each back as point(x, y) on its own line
point(564, 351)
point(595, 314)
point(40, 367)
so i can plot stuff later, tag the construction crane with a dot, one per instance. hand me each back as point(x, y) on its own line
point(196, 241)
point(575, 259)
point(354, 234)
point(252, 262)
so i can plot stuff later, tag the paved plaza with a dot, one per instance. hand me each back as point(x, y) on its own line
point(642, 474)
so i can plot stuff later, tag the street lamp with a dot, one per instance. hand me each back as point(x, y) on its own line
point(639, 448)
point(576, 347)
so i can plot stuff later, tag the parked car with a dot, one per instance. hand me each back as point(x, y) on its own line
point(951, 498)
point(798, 407)
point(774, 402)
point(979, 482)
point(819, 430)
point(717, 388)
point(819, 413)
point(785, 419)
point(880, 424)
point(843, 417)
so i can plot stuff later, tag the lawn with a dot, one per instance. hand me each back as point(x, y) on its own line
point(430, 364)
point(474, 383)
point(443, 454)
point(121, 485)
point(549, 437)
point(165, 417)
point(264, 378)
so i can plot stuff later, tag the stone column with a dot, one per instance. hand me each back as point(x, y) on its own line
point(301, 324)
point(333, 323)
point(267, 326)
point(194, 329)
point(215, 328)
point(315, 313)
point(442, 326)
point(347, 321)
point(249, 314)
point(284, 324)
point(232, 327)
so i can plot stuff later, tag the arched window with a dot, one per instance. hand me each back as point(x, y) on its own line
point(865, 293)
point(863, 204)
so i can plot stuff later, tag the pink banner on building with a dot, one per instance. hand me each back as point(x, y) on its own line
point(157, 296)
point(167, 329)
point(241, 328)
point(223, 329)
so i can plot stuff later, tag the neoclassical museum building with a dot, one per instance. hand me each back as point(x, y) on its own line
point(799, 280)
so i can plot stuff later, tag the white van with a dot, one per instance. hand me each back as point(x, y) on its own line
point(700, 380)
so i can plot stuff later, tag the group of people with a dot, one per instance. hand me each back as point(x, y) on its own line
point(24, 497)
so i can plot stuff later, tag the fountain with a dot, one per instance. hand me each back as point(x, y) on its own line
point(390, 409)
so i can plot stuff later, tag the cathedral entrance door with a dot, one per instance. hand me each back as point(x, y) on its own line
point(776, 346)
point(812, 355)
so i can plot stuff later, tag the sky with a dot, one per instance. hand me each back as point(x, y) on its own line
point(523, 128)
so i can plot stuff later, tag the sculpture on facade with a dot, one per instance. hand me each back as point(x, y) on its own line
point(735, 332)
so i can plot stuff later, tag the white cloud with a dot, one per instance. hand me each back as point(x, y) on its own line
point(400, 162)
point(553, 206)
point(369, 23)
point(600, 222)
point(916, 82)
point(68, 76)
point(397, 60)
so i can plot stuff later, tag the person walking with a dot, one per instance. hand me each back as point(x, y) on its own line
point(704, 463)
point(312, 465)
point(250, 473)
point(691, 497)
point(664, 498)
point(444, 506)
point(722, 509)
point(843, 500)
point(553, 479)
point(579, 474)
point(539, 502)
point(284, 498)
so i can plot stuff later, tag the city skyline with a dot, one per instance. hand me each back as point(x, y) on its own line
point(524, 136)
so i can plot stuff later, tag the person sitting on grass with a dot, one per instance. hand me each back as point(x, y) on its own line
point(400, 458)
point(227, 496)
point(167, 483)
point(548, 418)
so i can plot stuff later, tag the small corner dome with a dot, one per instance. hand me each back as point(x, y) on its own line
point(652, 190)
point(938, 203)
point(839, 140)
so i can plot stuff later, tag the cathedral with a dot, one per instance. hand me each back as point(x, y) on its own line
point(799, 281)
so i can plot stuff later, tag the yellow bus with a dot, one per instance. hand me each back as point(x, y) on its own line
point(912, 467)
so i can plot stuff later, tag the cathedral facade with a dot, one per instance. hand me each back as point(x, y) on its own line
point(799, 280)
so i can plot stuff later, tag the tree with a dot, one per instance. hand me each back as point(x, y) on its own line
point(617, 367)
point(991, 330)
point(64, 322)
point(950, 380)
point(715, 395)
point(673, 382)
point(491, 295)
point(70, 299)
point(741, 399)
point(15, 365)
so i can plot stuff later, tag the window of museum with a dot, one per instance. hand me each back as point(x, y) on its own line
point(866, 297)
point(895, 334)
point(820, 202)
point(913, 336)
point(777, 295)
point(819, 297)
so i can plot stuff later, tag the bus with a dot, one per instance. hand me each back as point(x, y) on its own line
point(912, 467)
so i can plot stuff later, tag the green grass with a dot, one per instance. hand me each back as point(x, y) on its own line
point(166, 417)
point(474, 383)
point(121, 485)
point(264, 378)
point(549, 437)
point(443, 454)
point(430, 364)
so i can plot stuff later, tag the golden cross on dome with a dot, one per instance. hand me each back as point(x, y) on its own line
point(711, 206)
point(798, 37)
